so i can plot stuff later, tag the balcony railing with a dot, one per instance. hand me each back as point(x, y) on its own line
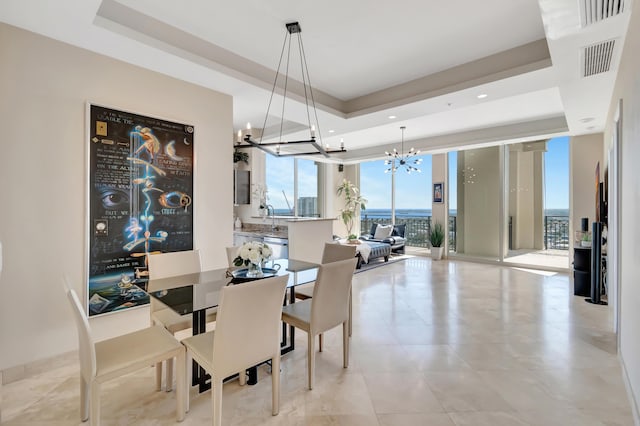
point(556, 232)
point(418, 229)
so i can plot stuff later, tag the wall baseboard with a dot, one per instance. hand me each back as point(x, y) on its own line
point(632, 398)
point(20, 372)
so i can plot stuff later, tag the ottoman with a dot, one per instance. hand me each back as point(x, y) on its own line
point(377, 250)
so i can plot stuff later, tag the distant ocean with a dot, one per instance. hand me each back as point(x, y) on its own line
point(400, 213)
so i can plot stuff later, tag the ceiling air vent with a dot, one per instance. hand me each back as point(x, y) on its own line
point(597, 58)
point(598, 10)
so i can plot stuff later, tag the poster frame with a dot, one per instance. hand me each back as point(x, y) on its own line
point(186, 159)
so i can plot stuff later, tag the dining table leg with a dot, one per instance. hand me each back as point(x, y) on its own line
point(200, 376)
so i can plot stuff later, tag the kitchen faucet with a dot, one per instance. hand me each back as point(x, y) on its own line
point(273, 216)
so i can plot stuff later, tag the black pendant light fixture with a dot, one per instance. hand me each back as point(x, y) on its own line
point(282, 148)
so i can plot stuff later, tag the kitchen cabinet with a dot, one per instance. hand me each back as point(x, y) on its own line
point(241, 187)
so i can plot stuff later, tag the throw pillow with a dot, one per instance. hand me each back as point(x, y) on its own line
point(383, 231)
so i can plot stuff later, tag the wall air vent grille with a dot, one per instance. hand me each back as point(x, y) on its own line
point(597, 58)
point(598, 10)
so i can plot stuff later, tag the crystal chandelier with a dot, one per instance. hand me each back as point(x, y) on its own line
point(282, 148)
point(402, 160)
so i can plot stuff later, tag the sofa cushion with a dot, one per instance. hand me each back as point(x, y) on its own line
point(398, 230)
point(382, 232)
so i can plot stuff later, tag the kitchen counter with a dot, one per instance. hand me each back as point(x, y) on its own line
point(304, 236)
point(280, 233)
point(309, 219)
point(262, 230)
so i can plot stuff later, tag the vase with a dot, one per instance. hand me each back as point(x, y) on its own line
point(437, 252)
point(254, 270)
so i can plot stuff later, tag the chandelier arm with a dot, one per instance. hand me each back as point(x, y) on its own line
point(313, 102)
point(286, 82)
point(304, 78)
point(273, 89)
point(292, 28)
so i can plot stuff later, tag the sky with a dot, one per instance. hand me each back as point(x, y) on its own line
point(413, 191)
point(556, 177)
point(280, 172)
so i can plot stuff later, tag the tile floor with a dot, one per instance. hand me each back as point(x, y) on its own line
point(434, 343)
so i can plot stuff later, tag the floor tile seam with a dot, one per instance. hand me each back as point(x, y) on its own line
point(539, 384)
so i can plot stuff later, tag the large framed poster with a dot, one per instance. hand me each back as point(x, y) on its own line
point(140, 202)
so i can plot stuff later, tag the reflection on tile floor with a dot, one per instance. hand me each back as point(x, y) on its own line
point(434, 343)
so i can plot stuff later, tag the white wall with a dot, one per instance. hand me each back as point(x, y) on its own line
point(44, 87)
point(628, 89)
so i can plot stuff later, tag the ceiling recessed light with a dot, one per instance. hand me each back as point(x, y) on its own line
point(391, 117)
point(331, 131)
point(587, 119)
point(482, 96)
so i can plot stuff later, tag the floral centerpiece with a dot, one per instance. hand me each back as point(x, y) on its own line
point(252, 254)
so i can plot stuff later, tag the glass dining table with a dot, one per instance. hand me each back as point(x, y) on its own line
point(196, 292)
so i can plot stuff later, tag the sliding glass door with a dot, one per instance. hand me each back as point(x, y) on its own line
point(511, 203)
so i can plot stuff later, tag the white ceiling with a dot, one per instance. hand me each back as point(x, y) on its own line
point(424, 62)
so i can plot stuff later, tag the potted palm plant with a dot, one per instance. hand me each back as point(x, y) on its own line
point(436, 237)
point(353, 203)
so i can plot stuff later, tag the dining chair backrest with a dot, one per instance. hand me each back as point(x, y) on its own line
point(248, 324)
point(232, 253)
point(334, 252)
point(330, 302)
point(162, 265)
point(86, 344)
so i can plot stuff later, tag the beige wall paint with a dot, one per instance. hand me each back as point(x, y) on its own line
point(628, 89)
point(584, 152)
point(44, 87)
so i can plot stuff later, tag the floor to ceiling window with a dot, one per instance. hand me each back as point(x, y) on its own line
point(538, 202)
point(292, 185)
point(452, 186)
point(400, 197)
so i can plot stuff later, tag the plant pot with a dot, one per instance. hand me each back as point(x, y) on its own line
point(436, 253)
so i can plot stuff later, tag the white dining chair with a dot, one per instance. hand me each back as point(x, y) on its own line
point(328, 308)
point(247, 333)
point(163, 265)
point(115, 357)
point(332, 252)
point(232, 253)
